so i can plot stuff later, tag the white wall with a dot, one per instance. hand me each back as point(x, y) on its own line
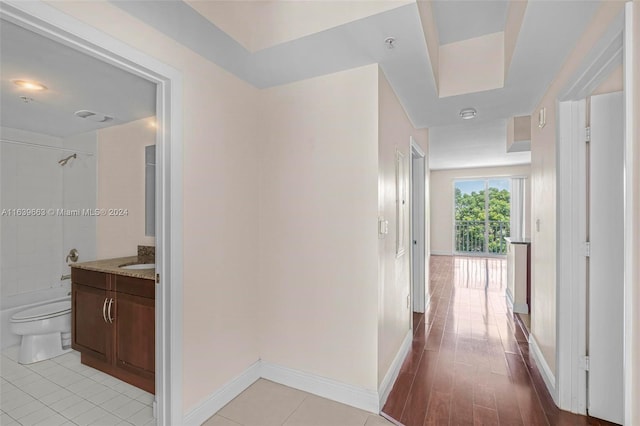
point(220, 204)
point(33, 249)
point(286, 179)
point(79, 192)
point(441, 213)
point(394, 316)
point(31, 178)
point(318, 259)
point(543, 190)
point(121, 185)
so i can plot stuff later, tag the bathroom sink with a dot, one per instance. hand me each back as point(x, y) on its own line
point(139, 266)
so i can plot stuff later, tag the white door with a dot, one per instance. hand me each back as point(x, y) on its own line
point(606, 262)
point(417, 232)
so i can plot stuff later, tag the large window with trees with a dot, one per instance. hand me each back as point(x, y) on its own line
point(482, 216)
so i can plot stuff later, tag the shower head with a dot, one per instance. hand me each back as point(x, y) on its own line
point(64, 161)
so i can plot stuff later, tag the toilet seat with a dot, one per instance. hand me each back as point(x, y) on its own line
point(47, 311)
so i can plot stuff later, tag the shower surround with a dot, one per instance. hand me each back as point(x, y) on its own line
point(33, 248)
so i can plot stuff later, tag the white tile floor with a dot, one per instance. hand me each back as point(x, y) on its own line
point(269, 404)
point(61, 391)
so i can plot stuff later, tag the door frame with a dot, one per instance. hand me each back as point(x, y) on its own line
point(50, 22)
point(417, 290)
point(569, 387)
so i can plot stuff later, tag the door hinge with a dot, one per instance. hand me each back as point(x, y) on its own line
point(585, 363)
point(157, 278)
point(587, 249)
point(587, 134)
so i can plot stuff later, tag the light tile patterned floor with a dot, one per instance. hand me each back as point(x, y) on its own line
point(269, 404)
point(61, 391)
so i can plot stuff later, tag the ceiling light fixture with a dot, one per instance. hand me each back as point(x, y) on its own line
point(468, 113)
point(389, 41)
point(29, 85)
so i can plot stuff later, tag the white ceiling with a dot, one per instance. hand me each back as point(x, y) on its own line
point(472, 145)
point(75, 81)
point(460, 20)
point(549, 31)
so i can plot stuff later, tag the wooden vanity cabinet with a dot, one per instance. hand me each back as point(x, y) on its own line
point(135, 326)
point(91, 333)
point(113, 325)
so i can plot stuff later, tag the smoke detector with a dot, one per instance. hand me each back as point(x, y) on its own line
point(93, 116)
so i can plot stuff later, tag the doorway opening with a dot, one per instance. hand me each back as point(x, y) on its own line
point(482, 216)
point(44, 20)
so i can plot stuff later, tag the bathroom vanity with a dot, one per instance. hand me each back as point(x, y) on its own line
point(113, 319)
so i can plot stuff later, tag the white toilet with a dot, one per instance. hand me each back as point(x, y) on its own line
point(45, 331)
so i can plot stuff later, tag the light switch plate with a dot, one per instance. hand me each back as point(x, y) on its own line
point(383, 227)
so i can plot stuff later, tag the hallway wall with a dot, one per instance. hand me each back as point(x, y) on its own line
point(318, 259)
point(543, 188)
point(394, 276)
point(441, 213)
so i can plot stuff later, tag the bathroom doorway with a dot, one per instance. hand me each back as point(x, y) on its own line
point(41, 21)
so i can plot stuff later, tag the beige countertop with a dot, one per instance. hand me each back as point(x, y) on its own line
point(112, 266)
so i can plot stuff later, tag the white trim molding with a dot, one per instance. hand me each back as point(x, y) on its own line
point(334, 390)
point(545, 370)
point(223, 396)
point(321, 386)
point(632, 210)
point(516, 308)
point(509, 297)
point(441, 253)
point(392, 374)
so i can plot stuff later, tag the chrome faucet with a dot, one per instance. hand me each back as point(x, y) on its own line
point(73, 256)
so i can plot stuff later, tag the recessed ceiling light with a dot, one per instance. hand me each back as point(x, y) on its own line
point(29, 85)
point(468, 113)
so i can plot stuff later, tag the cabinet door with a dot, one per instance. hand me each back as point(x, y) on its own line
point(91, 333)
point(135, 334)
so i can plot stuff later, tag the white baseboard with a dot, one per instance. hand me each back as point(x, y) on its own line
point(520, 308)
point(517, 308)
point(354, 396)
point(441, 253)
point(392, 374)
point(509, 297)
point(223, 396)
point(545, 370)
point(327, 388)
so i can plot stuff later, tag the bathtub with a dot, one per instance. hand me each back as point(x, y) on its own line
point(20, 302)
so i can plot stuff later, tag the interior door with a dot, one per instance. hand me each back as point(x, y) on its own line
point(606, 260)
point(417, 233)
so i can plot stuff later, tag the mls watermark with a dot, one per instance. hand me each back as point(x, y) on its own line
point(31, 212)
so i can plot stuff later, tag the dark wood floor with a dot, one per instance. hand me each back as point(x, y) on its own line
point(469, 363)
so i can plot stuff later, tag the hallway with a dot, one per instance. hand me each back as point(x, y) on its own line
point(469, 363)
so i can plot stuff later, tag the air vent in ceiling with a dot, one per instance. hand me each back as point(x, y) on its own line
point(98, 117)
